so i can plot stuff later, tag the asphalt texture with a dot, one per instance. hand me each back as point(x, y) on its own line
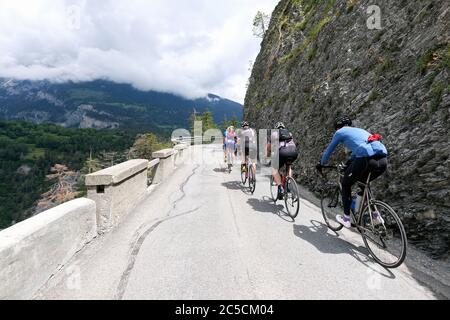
point(201, 235)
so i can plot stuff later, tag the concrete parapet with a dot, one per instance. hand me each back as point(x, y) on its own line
point(153, 163)
point(166, 164)
point(35, 249)
point(117, 191)
point(163, 154)
point(181, 154)
point(116, 174)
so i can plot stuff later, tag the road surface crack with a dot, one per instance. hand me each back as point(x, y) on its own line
point(183, 192)
point(136, 248)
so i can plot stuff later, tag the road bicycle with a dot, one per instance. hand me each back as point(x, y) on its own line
point(291, 193)
point(230, 158)
point(249, 175)
point(384, 238)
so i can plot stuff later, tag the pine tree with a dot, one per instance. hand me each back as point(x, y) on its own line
point(91, 165)
point(230, 123)
point(260, 24)
point(208, 121)
point(145, 145)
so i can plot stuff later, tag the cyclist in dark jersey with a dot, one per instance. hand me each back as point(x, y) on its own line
point(369, 156)
point(287, 153)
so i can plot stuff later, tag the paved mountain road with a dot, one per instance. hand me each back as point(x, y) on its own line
point(200, 236)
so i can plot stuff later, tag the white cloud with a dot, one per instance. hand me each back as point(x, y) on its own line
point(185, 47)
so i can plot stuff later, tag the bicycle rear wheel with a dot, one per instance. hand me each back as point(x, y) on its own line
point(386, 242)
point(244, 176)
point(230, 161)
point(292, 198)
point(273, 189)
point(251, 179)
point(331, 205)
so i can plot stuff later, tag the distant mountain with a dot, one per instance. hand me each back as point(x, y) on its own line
point(105, 105)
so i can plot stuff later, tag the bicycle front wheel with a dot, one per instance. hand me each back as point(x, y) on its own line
point(385, 238)
point(273, 189)
point(244, 176)
point(230, 161)
point(331, 205)
point(251, 179)
point(292, 198)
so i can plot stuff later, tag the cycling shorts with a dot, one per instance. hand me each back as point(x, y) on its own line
point(288, 155)
point(230, 144)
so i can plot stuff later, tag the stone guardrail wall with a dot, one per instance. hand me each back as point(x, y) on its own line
point(33, 250)
point(119, 189)
point(116, 191)
point(187, 140)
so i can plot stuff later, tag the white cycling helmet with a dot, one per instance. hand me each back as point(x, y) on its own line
point(280, 125)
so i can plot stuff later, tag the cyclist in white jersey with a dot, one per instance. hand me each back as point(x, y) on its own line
point(247, 141)
point(230, 143)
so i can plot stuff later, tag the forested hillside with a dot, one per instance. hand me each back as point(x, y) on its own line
point(28, 152)
point(43, 165)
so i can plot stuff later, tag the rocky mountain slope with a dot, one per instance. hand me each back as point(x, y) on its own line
point(322, 58)
point(105, 105)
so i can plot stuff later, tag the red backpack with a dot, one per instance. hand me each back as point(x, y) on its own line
point(375, 137)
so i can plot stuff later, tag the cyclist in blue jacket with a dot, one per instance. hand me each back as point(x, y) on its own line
point(225, 146)
point(369, 156)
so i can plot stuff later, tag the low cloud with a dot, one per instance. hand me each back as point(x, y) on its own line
point(189, 48)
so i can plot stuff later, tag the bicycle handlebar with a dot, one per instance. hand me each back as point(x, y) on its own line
point(330, 167)
point(340, 167)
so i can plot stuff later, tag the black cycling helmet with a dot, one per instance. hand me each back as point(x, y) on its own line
point(245, 124)
point(343, 121)
point(280, 125)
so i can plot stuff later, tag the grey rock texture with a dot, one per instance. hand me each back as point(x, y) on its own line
point(319, 59)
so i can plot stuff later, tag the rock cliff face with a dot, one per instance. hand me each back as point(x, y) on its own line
point(322, 58)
